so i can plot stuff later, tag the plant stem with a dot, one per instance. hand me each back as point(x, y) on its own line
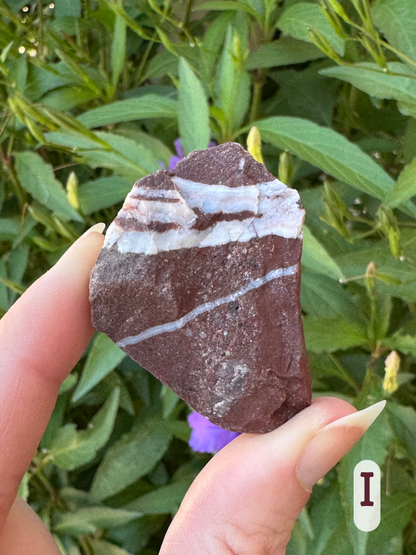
point(257, 92)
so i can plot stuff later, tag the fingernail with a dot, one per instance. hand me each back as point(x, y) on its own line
point(99, 228)
point(332, 442)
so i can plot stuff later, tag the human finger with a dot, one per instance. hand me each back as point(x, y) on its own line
point(248, 497)
point(41, 338)
point(24, 533)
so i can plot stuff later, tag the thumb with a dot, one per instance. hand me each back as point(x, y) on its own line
point(248, 497)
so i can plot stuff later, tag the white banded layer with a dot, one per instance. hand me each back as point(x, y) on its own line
point(206, 307)
point(269, 208)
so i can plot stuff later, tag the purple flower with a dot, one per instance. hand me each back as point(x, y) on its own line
point(179, 151)
point(206, 437)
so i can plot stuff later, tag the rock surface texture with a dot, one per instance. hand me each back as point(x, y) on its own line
point(199, 282)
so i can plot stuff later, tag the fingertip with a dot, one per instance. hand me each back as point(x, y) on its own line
point(333, 404)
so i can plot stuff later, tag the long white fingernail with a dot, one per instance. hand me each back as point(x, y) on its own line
point(332, 442)
point(99, 228)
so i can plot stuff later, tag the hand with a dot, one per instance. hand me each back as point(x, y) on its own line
point(246, 499)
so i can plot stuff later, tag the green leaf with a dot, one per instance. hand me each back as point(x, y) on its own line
point(17, 264)
point(118, 49)
point(164, 500)
point(102, 193)
point(2, 195)
point(315, 257)
point(179, 429)
point(161, 64)
point(328, 150)
point(24, 487)
point(169, 400)
point(304, 94)
point(401, 276)
point(298, 541)
point(397, 20)
point(327, 518)
point(222, 5)
point(37, 177)
point(159, 149)
point(124, 156)
point(332, 334)
point(67, 8)
point(193, 112)
point(297, 19)
point(405, 186)
point(101, 547)
point(92, 519)
point(283, 52)
point(383, 308)
point(66, 98)
point(68, 383)
point(55, 422)
point(211, 46)
point(144, 107)
point(103, 357)
point(404, 343)
point(130, 458)
point(4, 291)
point(67, 545)
point(129, 159)
point(399, 84)
point(396, 512)
point(232, 85)
point(325, 297)
point(9, 228)
point(403, 421)
point(71, 449)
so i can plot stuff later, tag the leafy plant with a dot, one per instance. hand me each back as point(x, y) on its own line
point(93, 93)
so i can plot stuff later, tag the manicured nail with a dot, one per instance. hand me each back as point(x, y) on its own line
point(332, 442)
point(99, 228)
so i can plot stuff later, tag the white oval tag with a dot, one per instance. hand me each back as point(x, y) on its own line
point(367, 496)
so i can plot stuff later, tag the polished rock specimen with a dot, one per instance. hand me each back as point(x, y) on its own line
point(199, 282)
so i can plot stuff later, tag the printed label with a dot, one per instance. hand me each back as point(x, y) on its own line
point(367, 496)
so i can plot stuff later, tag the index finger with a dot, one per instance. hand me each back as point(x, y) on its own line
point(41, 338)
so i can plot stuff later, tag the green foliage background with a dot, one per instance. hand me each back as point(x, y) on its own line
point(92, 94)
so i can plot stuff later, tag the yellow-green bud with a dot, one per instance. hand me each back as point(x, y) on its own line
point(72, 190)
point(376, 54)
point(321, 42)
point(370, 277)
point(387, 223)
point(338, 9)
point(335, 22)
point(254, 144)
point(392, 366)
point(285, 171)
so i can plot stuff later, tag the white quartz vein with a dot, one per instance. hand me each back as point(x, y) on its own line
point(275, 208)
point(206, 307)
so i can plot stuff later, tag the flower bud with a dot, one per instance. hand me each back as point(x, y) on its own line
point(392, 365)
point(370, 278)
point(387, 223)
point(72, 190)
point(321, 42)
point(336, 212)
point(335, 22)
point(254, 144)
point(285, 168)
point(338, 9)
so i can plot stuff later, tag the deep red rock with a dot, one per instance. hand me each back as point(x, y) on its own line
point(199, 282)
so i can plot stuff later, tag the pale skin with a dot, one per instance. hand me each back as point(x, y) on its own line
point(244, 502)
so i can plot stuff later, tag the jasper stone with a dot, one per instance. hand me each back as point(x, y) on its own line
point(199, 282)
